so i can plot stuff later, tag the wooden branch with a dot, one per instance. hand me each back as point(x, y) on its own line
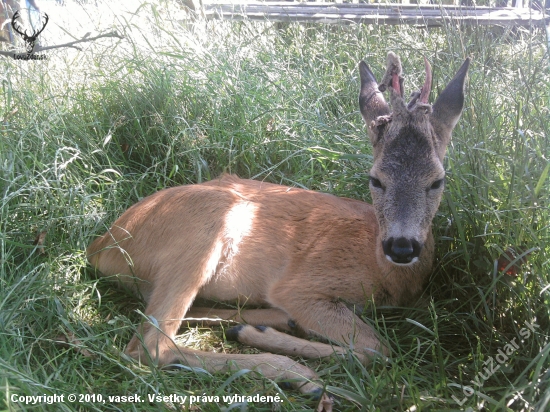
point(38, 49)
point(85, 39)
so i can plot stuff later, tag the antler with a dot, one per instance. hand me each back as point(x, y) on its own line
point(14, 24)
point(425, 93)
point(393, 76)
point(422, 95)
point(46, 19)
point(24, 34)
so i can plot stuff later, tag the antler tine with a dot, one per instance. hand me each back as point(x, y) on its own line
point(393, 76)
point(46, 19)
point(14, 24)
point(425, 93)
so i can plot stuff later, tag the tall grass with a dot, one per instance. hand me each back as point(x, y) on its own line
point(86, 134)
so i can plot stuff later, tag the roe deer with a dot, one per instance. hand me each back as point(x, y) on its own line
point(303, 258)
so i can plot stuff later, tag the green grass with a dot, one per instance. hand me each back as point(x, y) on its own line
point(85, 135)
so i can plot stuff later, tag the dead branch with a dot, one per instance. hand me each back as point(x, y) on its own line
point(72, 44)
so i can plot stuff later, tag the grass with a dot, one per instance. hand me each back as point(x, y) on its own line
point(86, 134)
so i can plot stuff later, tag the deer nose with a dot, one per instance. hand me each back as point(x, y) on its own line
point(401, 250)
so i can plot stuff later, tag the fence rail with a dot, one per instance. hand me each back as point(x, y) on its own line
point(426, 15)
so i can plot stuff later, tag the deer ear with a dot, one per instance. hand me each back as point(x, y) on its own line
point(371, 102)
point(448, 106)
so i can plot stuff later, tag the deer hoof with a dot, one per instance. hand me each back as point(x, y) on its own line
point(233, 333)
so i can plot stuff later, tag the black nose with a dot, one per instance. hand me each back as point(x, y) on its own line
point(401, 250)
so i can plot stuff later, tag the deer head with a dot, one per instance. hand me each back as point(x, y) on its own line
point(409, 142)
point(29, 39)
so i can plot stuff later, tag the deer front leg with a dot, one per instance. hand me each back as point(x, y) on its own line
point(319, 316)
point(271, 317)
point(271, 340)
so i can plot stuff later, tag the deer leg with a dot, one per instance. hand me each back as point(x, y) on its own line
point(272, 317)
point(166, 306)
point(346, 328)
point(319, 316)
point(264, 324)
point(270, 366)
point(154, 343)
point(271, 340)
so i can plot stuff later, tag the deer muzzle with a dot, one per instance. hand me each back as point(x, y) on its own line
point(401, 251)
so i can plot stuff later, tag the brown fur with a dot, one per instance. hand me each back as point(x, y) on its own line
point(306, 257)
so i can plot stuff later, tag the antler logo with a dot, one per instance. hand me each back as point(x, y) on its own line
point(30, 39)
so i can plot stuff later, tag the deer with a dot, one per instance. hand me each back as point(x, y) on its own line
point(29, 39)
point(301, 260)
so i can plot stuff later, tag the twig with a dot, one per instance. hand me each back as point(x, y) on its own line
point(70, 44)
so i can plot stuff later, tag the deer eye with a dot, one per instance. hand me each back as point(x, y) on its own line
point(437, 184)
point(375, 182)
